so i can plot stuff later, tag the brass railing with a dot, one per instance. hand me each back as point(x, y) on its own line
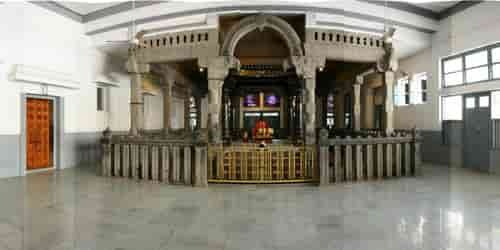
point(249, 163)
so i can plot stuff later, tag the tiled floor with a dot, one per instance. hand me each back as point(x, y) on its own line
point(74, 209)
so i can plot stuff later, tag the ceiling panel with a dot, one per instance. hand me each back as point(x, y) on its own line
point(84, 8)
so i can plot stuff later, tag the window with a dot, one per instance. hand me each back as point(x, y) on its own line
point(411, 92)
point(471, 67)
point(476, 66)
point(495, 59)
point(401, 92)
point(470, 102)
point(100, 99)
point(453, 72)
point(495, 105)
point(484, 102)
point(452, 108)
point(418, 91)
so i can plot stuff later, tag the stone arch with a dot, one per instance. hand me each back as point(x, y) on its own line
point(248, 24)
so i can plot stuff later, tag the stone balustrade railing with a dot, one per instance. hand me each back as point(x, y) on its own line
point(172, 161)
point(344, 38)
point(367, 158)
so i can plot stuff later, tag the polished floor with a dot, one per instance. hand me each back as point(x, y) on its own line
point(74, 209)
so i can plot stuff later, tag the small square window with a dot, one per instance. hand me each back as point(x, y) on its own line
point(484, 101)
point(477, 74)
point(476, 59)
point(495, 55)
point(453, 65)
point(453, 79)
point(496, 70)
point(470, 102)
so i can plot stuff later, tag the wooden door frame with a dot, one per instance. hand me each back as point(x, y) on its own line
point(58, 122)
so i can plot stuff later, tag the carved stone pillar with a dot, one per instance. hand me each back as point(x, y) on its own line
point(357, 106)
point(310, 110)
point(368, 94)
point(214, 109)
point(389, 101)
point(218, 68)
point(167, 106)
point(187, 104)
point(135, 71)
point(227, 113)
point(198, 111)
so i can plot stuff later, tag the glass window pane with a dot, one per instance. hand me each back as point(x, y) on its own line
point(496, 71)
point(495, 105)
point(470, 102)
point(453, 79)
point(477, 74)
point(495, 54)
point(452, 108)
point(484, 101)
point(476, 59)
point(453, 65)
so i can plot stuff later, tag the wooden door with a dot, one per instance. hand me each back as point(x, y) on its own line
point(38, 126)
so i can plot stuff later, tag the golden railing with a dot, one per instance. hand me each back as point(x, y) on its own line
point(249, 163)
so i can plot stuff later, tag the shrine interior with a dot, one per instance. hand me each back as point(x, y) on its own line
point(266, 124)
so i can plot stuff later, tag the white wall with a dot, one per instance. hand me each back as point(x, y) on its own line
point(472, 28)
point(34, 36)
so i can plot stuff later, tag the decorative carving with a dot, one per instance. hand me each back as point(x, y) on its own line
point(248, 24)
point(306, 66)
point(388, 62)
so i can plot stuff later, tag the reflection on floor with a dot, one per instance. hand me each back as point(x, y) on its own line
point(74, 209)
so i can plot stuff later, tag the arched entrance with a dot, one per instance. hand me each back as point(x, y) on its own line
point(264, 88)
point(251, 23)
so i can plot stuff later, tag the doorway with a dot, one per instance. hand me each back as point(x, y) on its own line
point(39, 134)
point(477, 131)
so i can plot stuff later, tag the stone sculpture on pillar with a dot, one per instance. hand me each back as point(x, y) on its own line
point(136, 69)
point(388, 64)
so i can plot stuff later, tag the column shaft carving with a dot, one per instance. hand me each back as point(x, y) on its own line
point(389, 101)
point(310, 110)
point(357, 106)
point(167, 106)
point(135, 71)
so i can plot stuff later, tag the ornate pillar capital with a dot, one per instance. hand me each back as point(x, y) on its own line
point(218, 67)
point(305, 66)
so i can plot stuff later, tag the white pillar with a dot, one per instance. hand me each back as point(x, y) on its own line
point(357, 107)
point(368, 107)
point(389, 101)
point(167, 105)
point(214, 109)
point(310, 110)
point(135, 70)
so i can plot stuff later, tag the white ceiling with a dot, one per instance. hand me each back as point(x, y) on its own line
point(436, 6)
point(84, 8)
